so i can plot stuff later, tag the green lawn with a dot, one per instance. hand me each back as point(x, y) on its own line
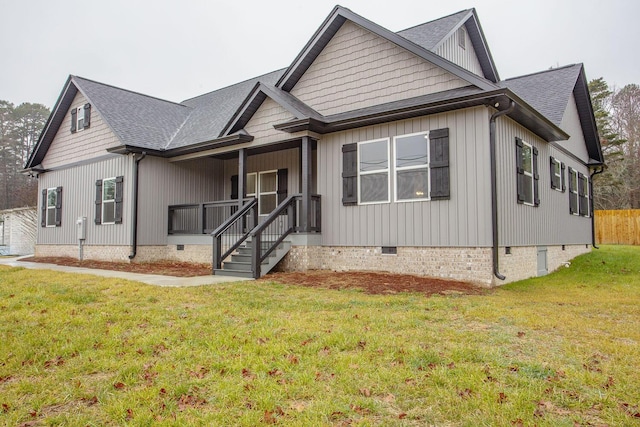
point(562, 350)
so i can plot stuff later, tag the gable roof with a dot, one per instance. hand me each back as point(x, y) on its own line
point(330, 27)
point(136, 119)
point(431, 35)
point(217, 118)
point(213, 111)
point(549, 92)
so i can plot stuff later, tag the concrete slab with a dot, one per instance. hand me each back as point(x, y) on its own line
point(150, 279)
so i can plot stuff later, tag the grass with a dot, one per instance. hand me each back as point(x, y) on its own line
point(561, 350)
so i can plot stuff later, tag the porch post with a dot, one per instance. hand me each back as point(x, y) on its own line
point(306, 166)
point(242, 177)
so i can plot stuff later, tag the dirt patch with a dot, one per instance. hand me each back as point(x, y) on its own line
point(374, 283)
point(368, 282)
point(164, 268)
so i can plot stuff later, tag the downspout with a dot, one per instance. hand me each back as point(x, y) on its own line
point(593, 220)
point(494, 184)
point(134, 215)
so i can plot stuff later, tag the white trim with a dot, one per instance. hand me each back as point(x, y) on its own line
point(259, 193)
point(47, 207)
point(397, 168)
point(387, 170)
point(108, 201)
point(80, 116)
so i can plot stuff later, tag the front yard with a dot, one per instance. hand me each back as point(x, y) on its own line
point(562, 350)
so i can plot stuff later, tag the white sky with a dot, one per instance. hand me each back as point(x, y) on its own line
point(179, 49)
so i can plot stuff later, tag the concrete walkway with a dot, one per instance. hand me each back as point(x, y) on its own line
point(151, 279)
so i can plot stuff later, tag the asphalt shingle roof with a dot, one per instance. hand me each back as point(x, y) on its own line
point(547, 91)
point(430, 34)
point(213, 110)
point(137, 119)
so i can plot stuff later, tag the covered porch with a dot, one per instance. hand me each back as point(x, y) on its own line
point(267, 193)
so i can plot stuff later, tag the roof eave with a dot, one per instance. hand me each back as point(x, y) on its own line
point(52, 125)
point(524, 114)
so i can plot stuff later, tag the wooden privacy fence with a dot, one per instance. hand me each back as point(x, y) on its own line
point(621, 227)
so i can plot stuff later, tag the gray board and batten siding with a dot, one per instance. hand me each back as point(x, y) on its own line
point(461, 221)
point(550, 223)
point(162, 183)
point(78, 199)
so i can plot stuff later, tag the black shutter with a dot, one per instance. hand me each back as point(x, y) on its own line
point(43, 209)
point(119, 189)
point(350, 174)
point(519, 171)
point(439, 163)
point(283, 184)
point(562, 178)
point(555, 180)
point(74, 120)
point(87, 115)
point(573, 208)
point(536, 178)
point(234, 187)
point(98, 218)
point(58, 206)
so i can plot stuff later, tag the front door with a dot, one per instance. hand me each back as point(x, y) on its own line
point(264, 187)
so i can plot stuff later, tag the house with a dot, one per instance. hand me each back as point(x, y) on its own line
point(18, 231)
point(373, 150)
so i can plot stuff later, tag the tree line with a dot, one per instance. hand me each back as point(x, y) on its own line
point(20, 127)
point(617, 113)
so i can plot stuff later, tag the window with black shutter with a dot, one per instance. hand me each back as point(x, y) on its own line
point(51, 209)
point(74, 120)
point(109, 199)
point(527, 176)
point(283, 184)
point(573, 192)
point(582, 195)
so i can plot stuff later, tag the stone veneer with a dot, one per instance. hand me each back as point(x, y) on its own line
point(467, 264)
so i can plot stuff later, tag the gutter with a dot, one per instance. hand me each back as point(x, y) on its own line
point(593, 219)
point(494, 184)
point(134, 228)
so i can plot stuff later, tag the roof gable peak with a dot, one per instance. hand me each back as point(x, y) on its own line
point(333, 23)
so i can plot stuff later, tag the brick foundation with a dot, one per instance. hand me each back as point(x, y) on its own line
point(100, 253)
point(467, 264)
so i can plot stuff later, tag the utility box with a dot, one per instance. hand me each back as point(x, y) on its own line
point(81, 225)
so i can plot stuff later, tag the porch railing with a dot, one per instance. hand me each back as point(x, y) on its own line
point(231, 233)
point(266, 235)
point(200, 218)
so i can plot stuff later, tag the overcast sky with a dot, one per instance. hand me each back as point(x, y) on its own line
point(179, 49)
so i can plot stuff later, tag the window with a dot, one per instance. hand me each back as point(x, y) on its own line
point(420, 169)
point(252, 179)
point(51, 209)
point(268, 186)
point(80, 118)
point(109, 200)
point(411, 162)
point(373, 171)
point(583, 195)
point(462, 39)
point(573, 192)
point(527, 173)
